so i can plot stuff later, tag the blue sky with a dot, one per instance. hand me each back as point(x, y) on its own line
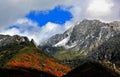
point(42, 24)
point(56, 15)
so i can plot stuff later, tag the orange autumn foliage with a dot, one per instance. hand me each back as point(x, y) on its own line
point(33, 59)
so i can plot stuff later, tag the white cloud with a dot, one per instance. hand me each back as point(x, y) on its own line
point(37, 33)
point(49, 30)
point(100, 7)
point(12, 32)
point(105, 10)
point(12, 10)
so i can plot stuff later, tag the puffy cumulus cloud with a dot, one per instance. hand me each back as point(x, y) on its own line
point(49, 30)
point(100, 7)
point(12, 32)
point(11, 10)
point(33, 31)
point(105, 10)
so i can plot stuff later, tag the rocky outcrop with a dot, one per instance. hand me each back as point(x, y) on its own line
point(7, 40)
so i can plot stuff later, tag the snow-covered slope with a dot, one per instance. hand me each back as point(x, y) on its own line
point(62, 42)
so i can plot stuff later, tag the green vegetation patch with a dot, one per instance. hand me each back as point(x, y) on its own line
point(69, 55)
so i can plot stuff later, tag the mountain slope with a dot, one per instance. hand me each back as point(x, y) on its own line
point(33, 58)
point(83, 37)
point(9, 46)
point(92, 69)
point(20, 53)
point(108, 51)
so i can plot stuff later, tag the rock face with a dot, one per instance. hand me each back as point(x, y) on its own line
point(6, 40)
point(109, 50)
point(53, 40)
point(85, 36)
point(90, 34)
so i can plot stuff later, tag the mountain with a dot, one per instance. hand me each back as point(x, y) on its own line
point(20, 56)
point(80, 39)
point(10, 45)
point(92, 69)
point(90, 48)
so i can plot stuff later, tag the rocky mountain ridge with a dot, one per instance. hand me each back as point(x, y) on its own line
point(19, 54)
point(7, 39)
point(84, 36)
